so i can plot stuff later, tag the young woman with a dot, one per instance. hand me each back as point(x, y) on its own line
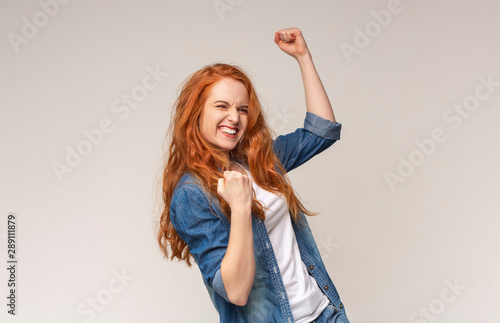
point(230, 205)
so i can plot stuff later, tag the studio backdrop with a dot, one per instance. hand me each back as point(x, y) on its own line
point(408, 198)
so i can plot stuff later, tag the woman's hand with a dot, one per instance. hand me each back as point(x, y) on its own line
point(238, 265)
point(236, 189)
point(291, 41)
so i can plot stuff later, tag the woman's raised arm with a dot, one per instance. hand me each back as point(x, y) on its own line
point(291, 41)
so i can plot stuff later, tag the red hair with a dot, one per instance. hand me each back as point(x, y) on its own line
point(190, 152)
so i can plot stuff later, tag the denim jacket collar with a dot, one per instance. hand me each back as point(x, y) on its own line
point(200, 222)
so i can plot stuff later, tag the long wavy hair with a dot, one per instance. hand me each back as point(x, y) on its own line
point(190, 152)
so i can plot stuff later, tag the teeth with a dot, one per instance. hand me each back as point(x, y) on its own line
point(227, 130)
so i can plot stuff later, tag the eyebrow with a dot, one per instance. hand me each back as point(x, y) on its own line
point(243, 106)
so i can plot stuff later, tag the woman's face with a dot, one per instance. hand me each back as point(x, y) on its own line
point(223, 121)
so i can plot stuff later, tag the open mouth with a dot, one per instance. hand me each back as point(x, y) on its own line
point(229, 132)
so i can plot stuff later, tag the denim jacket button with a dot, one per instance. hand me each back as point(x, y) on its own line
point(311, 267)
point(341, 306)
point(325, 287)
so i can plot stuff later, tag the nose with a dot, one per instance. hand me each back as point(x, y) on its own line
point(233, 115)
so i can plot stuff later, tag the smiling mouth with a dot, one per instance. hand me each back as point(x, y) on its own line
point(228, 131)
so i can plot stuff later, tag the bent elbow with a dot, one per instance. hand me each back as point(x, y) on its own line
point(239, 296)
point(239, 300)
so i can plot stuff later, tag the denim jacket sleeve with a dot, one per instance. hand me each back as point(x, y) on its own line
point(297, 147)
point(206, 234)
point(198, 219)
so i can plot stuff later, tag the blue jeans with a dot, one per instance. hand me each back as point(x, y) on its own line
point(331, 315)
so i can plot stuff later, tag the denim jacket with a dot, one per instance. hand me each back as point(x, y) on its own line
point(199, 221)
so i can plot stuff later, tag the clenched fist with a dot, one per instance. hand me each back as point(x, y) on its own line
point(291, 41)
point(236, 189)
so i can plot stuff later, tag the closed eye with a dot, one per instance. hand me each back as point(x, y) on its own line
point(243, 110)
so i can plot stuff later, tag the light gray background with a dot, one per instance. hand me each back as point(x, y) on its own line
point(428, 243)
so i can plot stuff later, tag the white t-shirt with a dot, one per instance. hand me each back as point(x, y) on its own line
point(306, 299)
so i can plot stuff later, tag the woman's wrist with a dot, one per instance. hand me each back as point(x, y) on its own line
point(304, 58)
point(241, 210)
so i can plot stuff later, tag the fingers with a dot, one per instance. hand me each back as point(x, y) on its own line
point(220, 186)
point(287, 35)
point(235, 188)
point(292, 42)
point(232, 174)
point(232, 179)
